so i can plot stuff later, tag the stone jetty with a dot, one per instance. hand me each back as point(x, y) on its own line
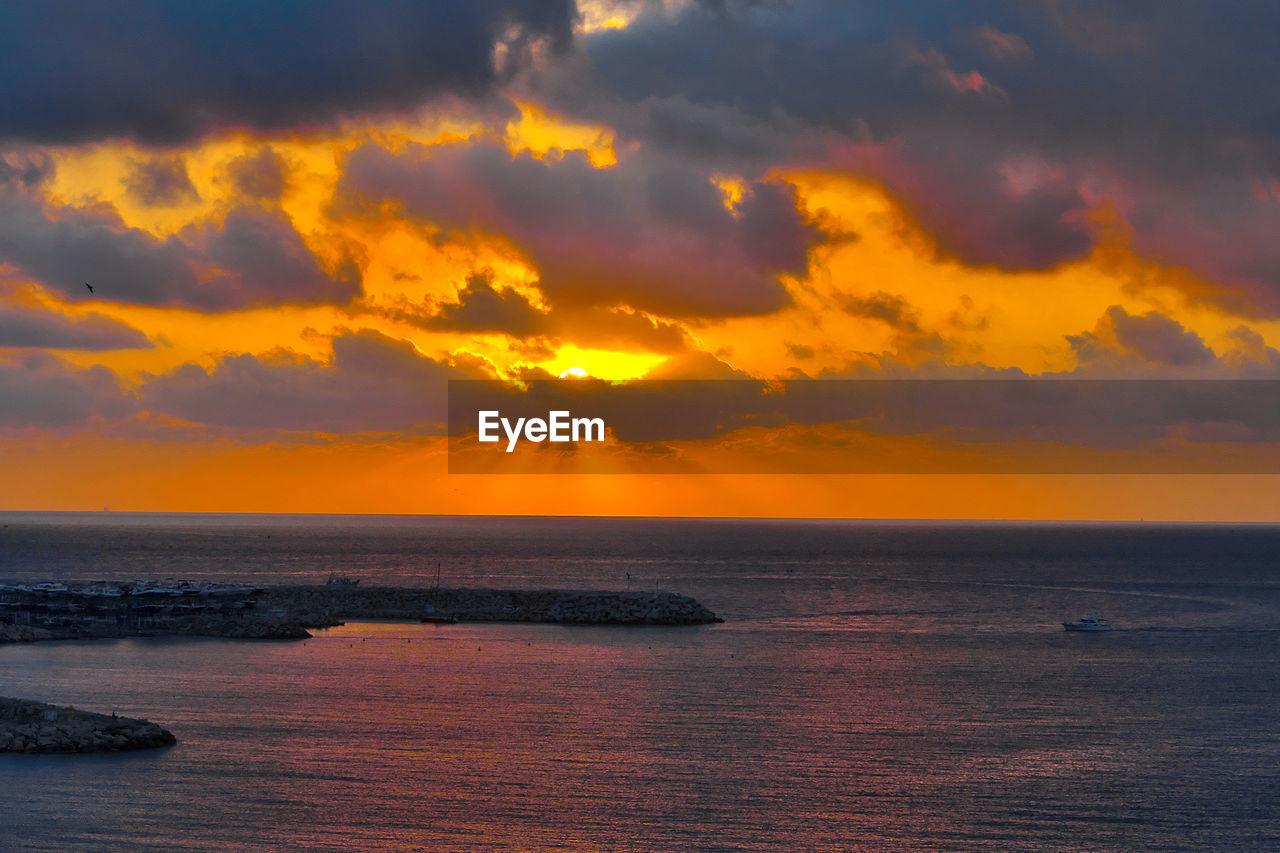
point(36, 727)
point(86, 610)
point(319, 605)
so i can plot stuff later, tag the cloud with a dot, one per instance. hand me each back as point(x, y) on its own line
point(1099, 30)
point(912, 343)
point(1152, 339)
point(652, 235)
point(999, 126)
point(481, 306)
point(26, 326)
point(161, 181)
point(1006, 47)
point(697, 365)
point(262, 175)
point(265, 261)
point(75, 245)
point(982, 202)
point(892, 309)
point(934, 126)
point(39, 390)
point(618, 328)
point(1249, 354)
point(799, 351)
point(251, 257)
point(967, 83)
point(1224, 229)
point(168, 72)
point(24, 168)
point(372, 383)
point(846, 66)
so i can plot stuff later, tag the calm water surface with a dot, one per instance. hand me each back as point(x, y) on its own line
point(878, 686)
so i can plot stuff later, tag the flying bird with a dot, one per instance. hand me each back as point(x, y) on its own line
point(90, 286)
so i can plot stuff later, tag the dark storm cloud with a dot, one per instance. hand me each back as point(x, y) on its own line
point(997, 124)
point(653, 235)
point(261, 258)
point(373, 383)
point(167, 71)
point(1193, 68)
point(867, 73)
point(25, 326)
point(161, 181)
point(43, 391)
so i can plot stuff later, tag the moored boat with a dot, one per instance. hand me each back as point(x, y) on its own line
point(1087, 622)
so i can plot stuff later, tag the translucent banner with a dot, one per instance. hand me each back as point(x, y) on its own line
point(1015, 426)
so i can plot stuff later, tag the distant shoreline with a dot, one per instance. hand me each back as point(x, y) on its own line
point(102, 609)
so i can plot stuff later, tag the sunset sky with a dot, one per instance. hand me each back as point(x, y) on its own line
point(301, 220)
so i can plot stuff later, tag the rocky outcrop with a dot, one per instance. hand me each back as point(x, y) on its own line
point(36, 727)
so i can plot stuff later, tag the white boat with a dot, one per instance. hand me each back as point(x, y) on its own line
point(1087, 622)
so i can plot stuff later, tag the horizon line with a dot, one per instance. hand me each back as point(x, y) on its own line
point(607, 517)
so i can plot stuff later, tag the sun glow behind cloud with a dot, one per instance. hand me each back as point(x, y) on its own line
point(602, 364)
point(990, 315)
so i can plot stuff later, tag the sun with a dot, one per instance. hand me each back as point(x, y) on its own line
point(603, 364)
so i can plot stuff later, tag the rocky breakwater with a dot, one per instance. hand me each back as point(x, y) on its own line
point(245, 628)
point(36, 727)
point(316, 606)
point(94, 609)
point(99, 609)
point(628, 608)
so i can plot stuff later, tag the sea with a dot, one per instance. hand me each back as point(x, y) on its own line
point(875, 686)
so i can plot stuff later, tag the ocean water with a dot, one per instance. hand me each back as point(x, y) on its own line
point(876, 686)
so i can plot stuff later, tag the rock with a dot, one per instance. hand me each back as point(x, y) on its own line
point(24, 728)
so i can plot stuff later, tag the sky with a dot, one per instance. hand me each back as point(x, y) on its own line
point(300, 221)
